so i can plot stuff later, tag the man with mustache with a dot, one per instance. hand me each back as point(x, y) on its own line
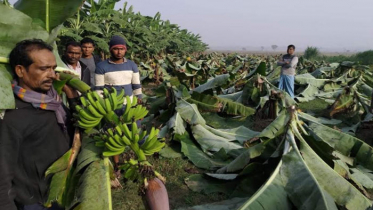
point(35, 134)
point(71, 57)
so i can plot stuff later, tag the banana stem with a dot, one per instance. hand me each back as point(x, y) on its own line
point(108, 184)
point(47, 16)
point(4, 60)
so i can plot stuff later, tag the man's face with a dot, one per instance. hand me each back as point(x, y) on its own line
point(118, 52)
point(73, 54)
point(87, 49)
point(291, 51)
point(40, 74)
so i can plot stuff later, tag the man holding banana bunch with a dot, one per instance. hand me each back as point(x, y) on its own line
point(35, 134)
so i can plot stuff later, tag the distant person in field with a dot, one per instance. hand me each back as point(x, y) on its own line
point(37, 132)
point(88, 58)
point(71, 57)
point(118, 71)
point(288, 62)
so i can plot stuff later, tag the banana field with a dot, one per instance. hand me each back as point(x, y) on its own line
point(222, 112)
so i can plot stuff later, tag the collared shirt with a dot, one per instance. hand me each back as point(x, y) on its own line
point(78, 68)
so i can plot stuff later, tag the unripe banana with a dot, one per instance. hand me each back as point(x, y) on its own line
point(109, 153)
point(94, 111)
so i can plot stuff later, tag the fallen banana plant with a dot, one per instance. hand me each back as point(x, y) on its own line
point(307, 167)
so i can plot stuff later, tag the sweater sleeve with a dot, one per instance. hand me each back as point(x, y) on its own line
point(294, 62)
point(99, 79)
point(136, 85)
point(9, 148)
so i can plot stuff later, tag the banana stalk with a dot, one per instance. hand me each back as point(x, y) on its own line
point(108, 183)
point(4, 60)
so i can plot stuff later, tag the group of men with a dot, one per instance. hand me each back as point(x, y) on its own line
point(38, 132)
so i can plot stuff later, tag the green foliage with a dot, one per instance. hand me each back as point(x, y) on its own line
point(146, 36)
point(365, 58)
point(311, 53)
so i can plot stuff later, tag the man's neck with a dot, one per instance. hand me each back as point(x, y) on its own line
point(117, 61)
point(88, 56)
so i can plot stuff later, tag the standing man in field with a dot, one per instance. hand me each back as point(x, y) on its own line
point(88, 58)
point(71, 58)
point(118, 71)
point(35, 134)
point(288, 62)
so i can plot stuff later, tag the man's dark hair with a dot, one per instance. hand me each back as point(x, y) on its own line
point(20, 55)
point(291, 46)
point(87, 40)
point(72, 43)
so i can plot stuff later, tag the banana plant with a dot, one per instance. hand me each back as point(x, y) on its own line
point(304, 167)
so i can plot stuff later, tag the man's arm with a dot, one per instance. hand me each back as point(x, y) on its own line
point(9, 148)
point(136, 85)
point(281, 62)
point(99, 79)
point(293, 63)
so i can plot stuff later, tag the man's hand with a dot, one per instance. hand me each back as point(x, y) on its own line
point(70, 92)
point(139, 100)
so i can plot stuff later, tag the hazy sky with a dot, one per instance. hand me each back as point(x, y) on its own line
point(322, 23)
point(329, 24)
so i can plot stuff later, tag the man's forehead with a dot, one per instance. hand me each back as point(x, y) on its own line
point(119, 48)
point(43, 57)
point(74, 48)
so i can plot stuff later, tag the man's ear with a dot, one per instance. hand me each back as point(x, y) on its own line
point(20, 71)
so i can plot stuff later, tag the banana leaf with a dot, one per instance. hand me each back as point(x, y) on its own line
point(177, 123)
point(240, 134)
point(304, 79)
point(271, 195)
point(211, 142)
point(203, 184)
point(197, 156)
point(189, 113)
point(218, 81)
point(241, 161)
point(343, 192)
point(345, 144)
point(308, 94)
point(50, 13)
point(63, 172)
point(276, 127)
point(216, 104)
point(321, 120)
point(93, 189)
point(301, 185)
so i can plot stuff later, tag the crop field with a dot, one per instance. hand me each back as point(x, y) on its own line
point(216, 132)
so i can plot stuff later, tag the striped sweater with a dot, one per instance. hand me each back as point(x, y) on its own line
point(124, 75)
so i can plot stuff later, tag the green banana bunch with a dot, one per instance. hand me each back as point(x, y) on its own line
point(87, 116)
point(133, 111)
point(113, 100)
point(151, 144)
point(131, 169)
point(94, 108)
